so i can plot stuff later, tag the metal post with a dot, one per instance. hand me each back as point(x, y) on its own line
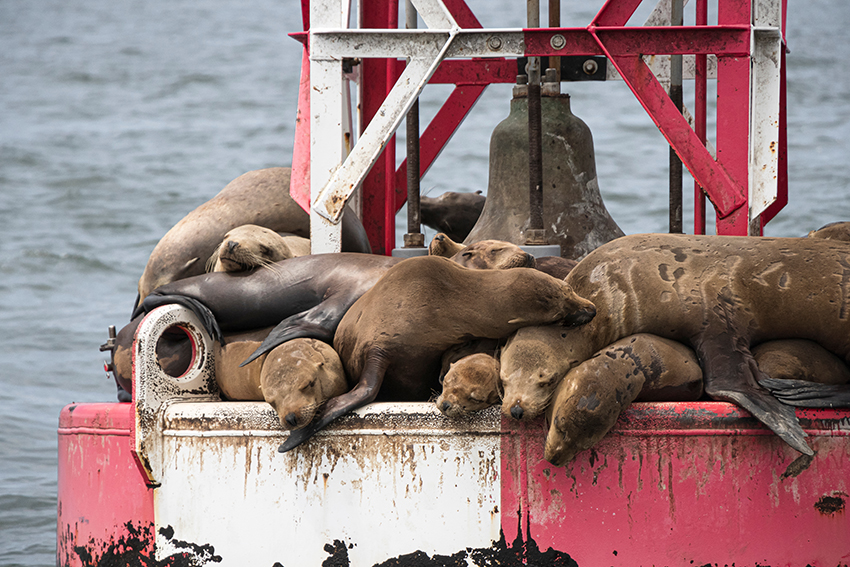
point(700, 102)
point(535, 234)
point(414, 237)
point(676, 96)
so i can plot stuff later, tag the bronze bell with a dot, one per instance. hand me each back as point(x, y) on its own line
point(574, 215)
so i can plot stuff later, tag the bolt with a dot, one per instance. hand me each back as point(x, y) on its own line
point(494, 43)
point(557, 41)
point(590, 67)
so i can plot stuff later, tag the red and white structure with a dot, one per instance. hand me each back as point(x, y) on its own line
point(180, 478)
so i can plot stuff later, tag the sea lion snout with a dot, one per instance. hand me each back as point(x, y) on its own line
point(232, 245)
point(517, 411)
point(291, 420)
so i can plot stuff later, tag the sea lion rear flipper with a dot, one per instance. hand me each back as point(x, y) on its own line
point(805, 394)
point(203, 313)
point(742, 388)
point(363, 393)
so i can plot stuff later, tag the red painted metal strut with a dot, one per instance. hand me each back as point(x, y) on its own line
point(724, 178)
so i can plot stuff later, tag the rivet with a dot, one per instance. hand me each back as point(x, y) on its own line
point(558, 41)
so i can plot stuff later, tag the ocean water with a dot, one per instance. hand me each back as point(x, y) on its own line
point(118, 118)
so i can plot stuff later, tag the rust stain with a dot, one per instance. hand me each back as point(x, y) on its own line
point(829, 505)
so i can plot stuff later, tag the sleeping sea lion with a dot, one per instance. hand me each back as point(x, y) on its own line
point(258, 197)
point(303, 297)
point(590, 398)
point(470, 384)
point(251, 246)
point(718, 294)
point(392, 339)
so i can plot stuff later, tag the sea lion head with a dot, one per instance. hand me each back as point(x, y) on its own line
point(533, 362)
point(471, 384)
point(249, 246)
point(298, 377)
point(493, 254)
point(442, 245)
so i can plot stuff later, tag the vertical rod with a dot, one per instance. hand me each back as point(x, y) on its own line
point(535, 138)
point(413, 207)
point(676, 96)
point(701, 97)
point(555, 22)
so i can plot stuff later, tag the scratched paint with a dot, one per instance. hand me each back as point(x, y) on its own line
point(689, 475)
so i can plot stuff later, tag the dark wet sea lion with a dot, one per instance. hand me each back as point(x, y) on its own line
point(251, 246)
point(258, 197)
point(452, 213)
point(303, 297)
point(590, 398)
point(392, 339)
point(718, 294)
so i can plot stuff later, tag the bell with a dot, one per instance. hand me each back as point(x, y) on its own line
point(574, 215)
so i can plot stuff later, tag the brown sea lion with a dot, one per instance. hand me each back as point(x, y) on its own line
point(470, 384)
point(555, 266)
point(718, 294)
point(800, 359)
point(839, 230)
point(258, 197)
point(251, 246)
point(804, 374)
point(493, 255)
point(452, 213)
point(442, 245)
point(590, 398)
point(298, 377)
point(392, 339)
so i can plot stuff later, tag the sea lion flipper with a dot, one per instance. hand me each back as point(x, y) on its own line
point(317, 323)
point(805, 394)
point(363, 393)
point(203, 313)
point(745, 391)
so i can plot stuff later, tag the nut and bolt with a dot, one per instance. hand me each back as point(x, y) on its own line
point(558, 41)
point(494, 43)
point(590, 66)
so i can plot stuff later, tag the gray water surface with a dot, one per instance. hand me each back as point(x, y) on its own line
point(118, 118)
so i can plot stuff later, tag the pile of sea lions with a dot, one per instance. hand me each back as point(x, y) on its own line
point(760, 322)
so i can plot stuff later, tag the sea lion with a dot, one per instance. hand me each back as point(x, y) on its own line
point(804, 374)
point(452, 213)
point(392, 339)
point(555, 266)
point(800, 359)
point(718, 294)
point(493, 255)
point(839, 230)
point(298, 377)
point(258, 197)
point(251, 246)
point(590, 398)
point(470, 384)
point(304, 297)
point(442, 245)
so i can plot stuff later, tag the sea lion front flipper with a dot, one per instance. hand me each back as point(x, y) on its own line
point(363, 393)
point(738, 383)
point(320, 323)
point(805, 394)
